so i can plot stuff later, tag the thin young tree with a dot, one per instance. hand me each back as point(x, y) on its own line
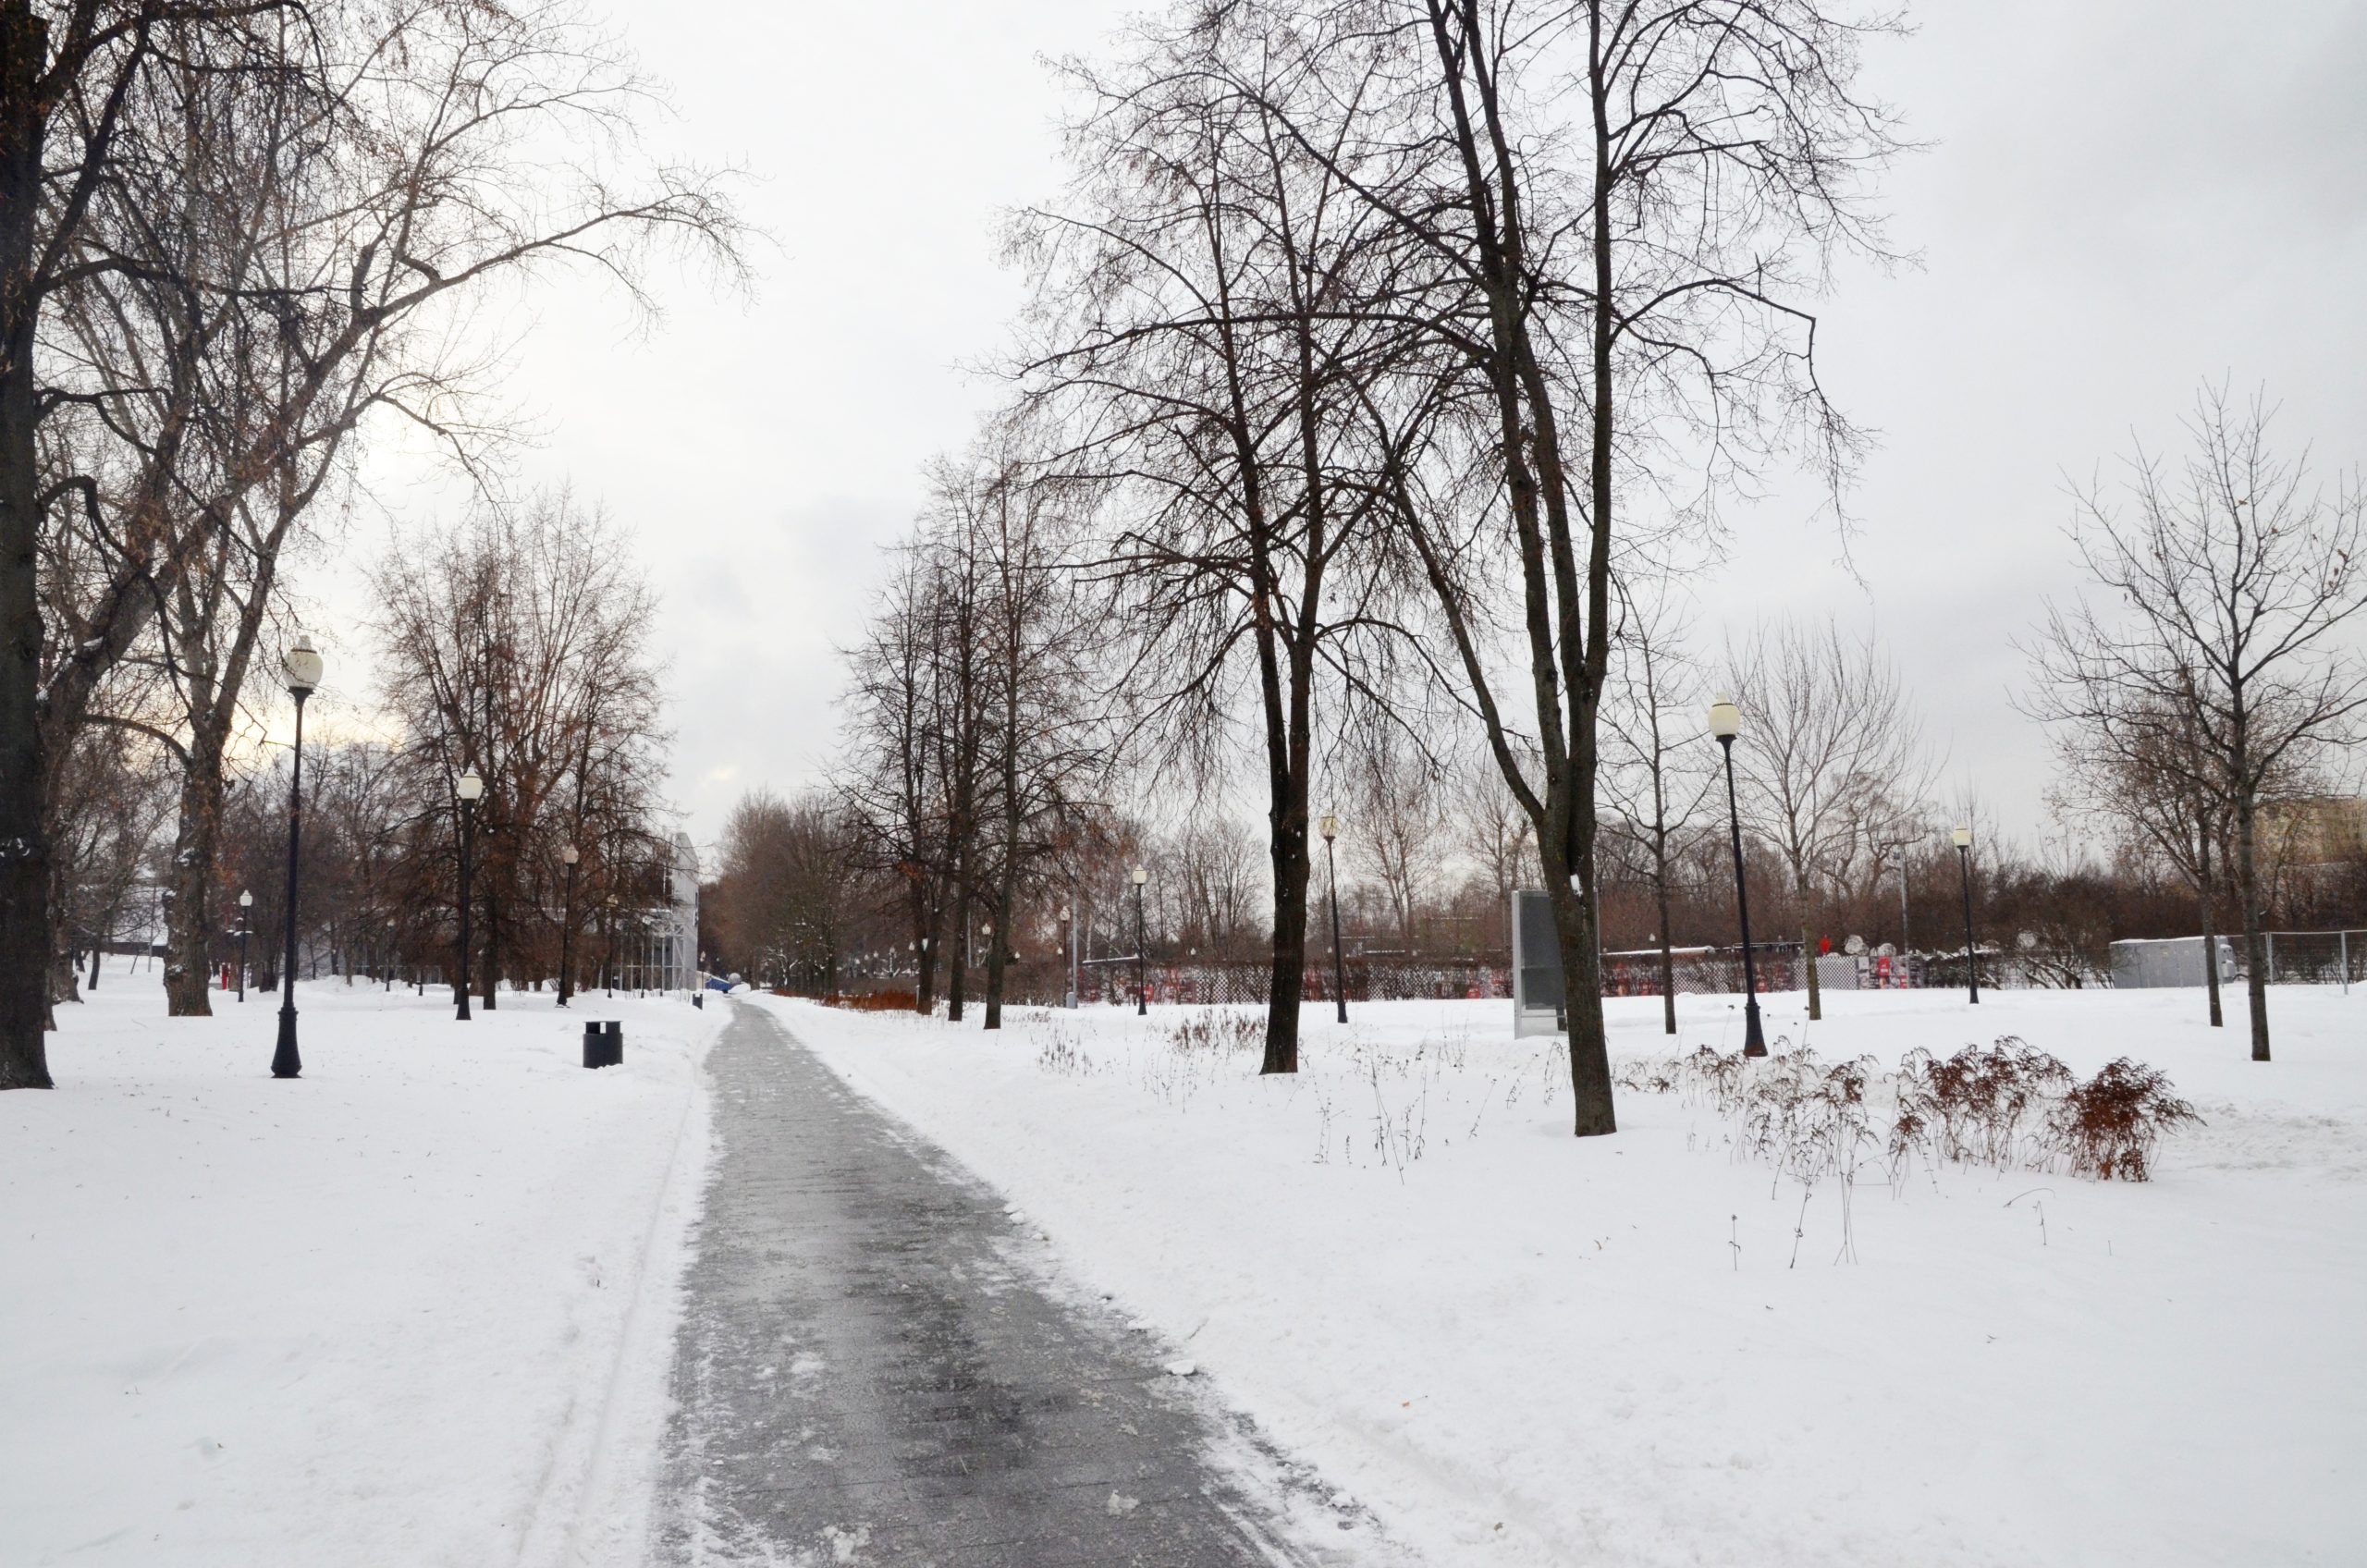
point(888, 778)
point(2228, 580)
point(1658, 764)
point(1833, 758)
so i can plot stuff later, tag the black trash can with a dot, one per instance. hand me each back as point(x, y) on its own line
point(604, 1043)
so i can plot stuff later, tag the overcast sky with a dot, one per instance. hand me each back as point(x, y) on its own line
point(2122, 199)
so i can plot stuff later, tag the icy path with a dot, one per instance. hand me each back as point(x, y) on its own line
point(871, 1370)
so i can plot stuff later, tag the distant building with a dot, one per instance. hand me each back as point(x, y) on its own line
point(2319, 831)
point(658, 949)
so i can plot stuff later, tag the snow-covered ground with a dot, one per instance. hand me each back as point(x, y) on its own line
point(1519, 1347)
point(413, 1308)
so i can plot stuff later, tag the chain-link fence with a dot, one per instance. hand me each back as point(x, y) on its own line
point(2313, 958)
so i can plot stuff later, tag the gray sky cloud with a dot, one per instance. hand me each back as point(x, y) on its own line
point(2123, 198)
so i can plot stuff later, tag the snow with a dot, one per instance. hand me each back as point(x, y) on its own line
point(415, 1307)
point(1518, 1347)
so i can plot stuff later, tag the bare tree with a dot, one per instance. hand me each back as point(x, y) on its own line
point(1830, 763)
point(887, 776)
point(1194, 342)
point(2227, 579)
point(1658, 763)
point(516, 645)
point(1395, 831)
point(1622, 211)
point(1492, 833)
point(262, 231)
point(787, 893)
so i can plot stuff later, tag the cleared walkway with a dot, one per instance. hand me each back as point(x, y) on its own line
point(867, 1374)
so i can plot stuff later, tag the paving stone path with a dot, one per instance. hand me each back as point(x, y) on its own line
point(871, 1369)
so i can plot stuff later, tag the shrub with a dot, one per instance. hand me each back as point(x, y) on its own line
point(2107, 1127)
point(1217, 1034)
point(869, 1001)
point(1985, 1105)
point(2006, 1105)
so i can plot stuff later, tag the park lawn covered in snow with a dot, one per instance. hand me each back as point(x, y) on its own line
point(414, 1307)
point(1519, 1347)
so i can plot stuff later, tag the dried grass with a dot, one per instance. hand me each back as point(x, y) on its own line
point(2007, 1105)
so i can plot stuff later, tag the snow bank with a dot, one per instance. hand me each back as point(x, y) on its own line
point(415, 1307)
point(1522, 1348)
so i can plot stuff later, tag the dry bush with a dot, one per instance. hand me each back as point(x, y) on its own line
point(1808, 1119)
point(2108, 1126)
point(1217, 1034)
point(2006, 1105)
point(1983, 1106)
point(868, 1002)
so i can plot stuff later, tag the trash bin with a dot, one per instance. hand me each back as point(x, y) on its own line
point(604, 1043)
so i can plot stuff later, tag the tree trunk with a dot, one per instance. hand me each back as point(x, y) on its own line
point(2247, 910)
point(189, 927)
point(1668, 958)
point(1577, 933)
point(924, 953)
point(957, 959)
point(493, 943)
point(999, 943)
point(24, 837)
point(2210, 931)
point(1287, 852)
point(1808, 951)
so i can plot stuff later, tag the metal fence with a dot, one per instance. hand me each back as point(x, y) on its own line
point(2313, 958)
point(2292, 958)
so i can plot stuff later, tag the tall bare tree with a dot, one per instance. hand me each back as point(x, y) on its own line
point(1195, 345)
point(1625, 211)
point(267, 228)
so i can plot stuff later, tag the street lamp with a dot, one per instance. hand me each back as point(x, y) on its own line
point(1964, 866)
point(246, 907)
point(1141, 995)
point(392, 954)
point(569, 854)
point(608, 972)
point(302, 669)
point(1328, 825)
point(470, 789)
point(1725, 723)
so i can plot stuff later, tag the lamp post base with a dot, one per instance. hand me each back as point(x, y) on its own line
point(285, 1062)
point(1754, 1039)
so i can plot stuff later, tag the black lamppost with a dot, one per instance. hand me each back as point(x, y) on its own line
point(1330, 826)
point(1964, 866)
point(470, 789)
point(393, 953)
point(571, 854)
point(1725, 723)
point(302, 668)
point(1142, 993)
point(246, 907)
point(609, 971)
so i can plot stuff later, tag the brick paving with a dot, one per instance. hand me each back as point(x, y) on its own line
point(870, 1372)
